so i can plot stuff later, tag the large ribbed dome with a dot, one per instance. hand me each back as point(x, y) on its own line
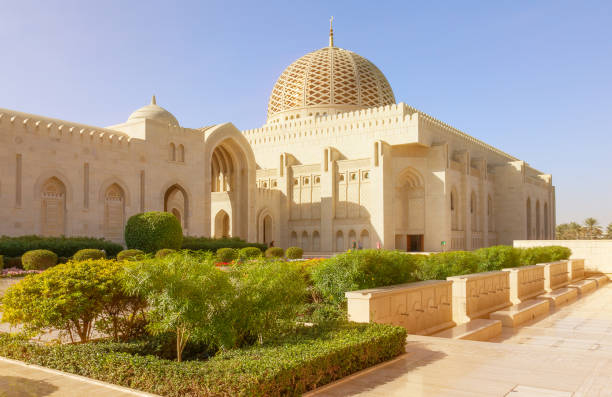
point(154, 112)
point(330, 77)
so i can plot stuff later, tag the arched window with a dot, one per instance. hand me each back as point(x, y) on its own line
point(316, 241)
point(180, 154)
point(528, 219)
point(114, 213)
point(364, 239)
point(172, 152)
point(222, 225)
point(294, 241)
point(53, 211)
point(305, 241)
point(538, 233)
point(340, 241)
point(175, 201)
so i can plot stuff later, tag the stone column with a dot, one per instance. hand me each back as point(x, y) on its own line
point(328, 198)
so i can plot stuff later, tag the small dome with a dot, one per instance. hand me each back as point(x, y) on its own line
point(331, 77)
point(154, 112)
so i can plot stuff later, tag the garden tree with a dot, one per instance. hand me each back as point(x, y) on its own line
point(267, 296)
point(592, 228)
point(152, 231)
point(73, 297)
point(186, 295)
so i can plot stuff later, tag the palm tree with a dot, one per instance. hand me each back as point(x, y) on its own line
point(609, 231)
point(592, 228)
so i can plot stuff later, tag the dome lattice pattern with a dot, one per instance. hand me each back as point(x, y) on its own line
point(330, 76)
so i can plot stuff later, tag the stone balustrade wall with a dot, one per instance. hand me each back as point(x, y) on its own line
point(576, 269)
point(477, 295)
point(525, 282)
point(556, 275)
point(422, 308)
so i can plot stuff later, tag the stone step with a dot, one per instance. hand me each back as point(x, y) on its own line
point(521, 313)
point(479, 329)
point(601, 279)
point(583, 286)
point(560, 297)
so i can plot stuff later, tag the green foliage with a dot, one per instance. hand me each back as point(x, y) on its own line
point(355, 270)
point(72, 297)
point(13, 262)
point(309, 358)
point(446, 264)
point(535, 255)
point(294, 253)
point(266, 298)
point(213, 244)
point(185, 296)
point(152, 231)
point(226, 255)
point(274, 252)
point(1, 262)
point(38, 259)
point(497, 258)
point(132, 254)
point(249, 253)
point(164, 252)
point(89, 253)
point(62, 246)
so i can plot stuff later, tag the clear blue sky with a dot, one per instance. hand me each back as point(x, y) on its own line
point(533, 78)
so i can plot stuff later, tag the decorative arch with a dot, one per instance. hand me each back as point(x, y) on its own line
point(352, 239)
point(53, 207)
point(538, 233)
point(409, 202)
point(340, 241)
point(455, 209)
point(294, 239)
point(180, 153)
point(316, 241)
point(364, 239)
point(305, 241)
point(176, 198)
point(265, 226)
point(172, 152)
point(474, 212)
point(222, 225)
point(114, 212)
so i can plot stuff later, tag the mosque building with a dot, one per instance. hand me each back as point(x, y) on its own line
point(338, 163)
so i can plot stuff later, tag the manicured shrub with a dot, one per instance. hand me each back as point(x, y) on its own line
point(294, 253)
point(292, 365)
point(62, 246)
point(152, 231)
point(249, 253)
point(38, 259)
point(275, 252)
point(89, 253)
point(213, 244)
point(1, 262)
point(164, 252)
point(362, 269)
point(446, 264)
point(226, 255)
point(132, 254)
point(558, 253)
point(497, 258)
point(535, 255)
point(13, 262)
point(74, 297)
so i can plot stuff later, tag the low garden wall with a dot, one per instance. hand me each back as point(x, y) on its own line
point(422, 308)
point(576, 269)
point(477, 295)
point(556, 275)
point(525, 282)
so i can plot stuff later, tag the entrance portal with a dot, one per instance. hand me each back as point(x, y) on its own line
point(414, 242)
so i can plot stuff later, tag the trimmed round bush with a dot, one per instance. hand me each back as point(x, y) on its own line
point(127, 255)
point(275, 252)
point(152, 231)
point(249, 253)
point(226, 255)
point(294, 253)
point(164, 252)
point(90, 253)
point(38, 260)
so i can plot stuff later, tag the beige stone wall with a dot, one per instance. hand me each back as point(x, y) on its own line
point(556, 275)
point(526, 282)
point(597, 254)
point(477, 295)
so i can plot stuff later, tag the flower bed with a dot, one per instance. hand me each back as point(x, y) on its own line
point(290, 365)
point(16, 272)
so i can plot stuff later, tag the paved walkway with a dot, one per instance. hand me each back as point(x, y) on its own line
point(568, 353)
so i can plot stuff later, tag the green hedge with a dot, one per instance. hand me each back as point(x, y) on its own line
point(213, 244)
point(132, 254)
point(535, 255)
point(164, 252)
point(226, 255)
point(38, 259)
point(152, 231)
point(274, 252)
point(292, 365)
point(89, 253)
point(294, 253)
point(62, 246)
point(249, 253)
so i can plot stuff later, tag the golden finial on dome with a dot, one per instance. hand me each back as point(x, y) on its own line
point(331, 32)
point(153, 101)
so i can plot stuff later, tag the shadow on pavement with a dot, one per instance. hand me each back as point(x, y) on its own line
point(16, 386)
